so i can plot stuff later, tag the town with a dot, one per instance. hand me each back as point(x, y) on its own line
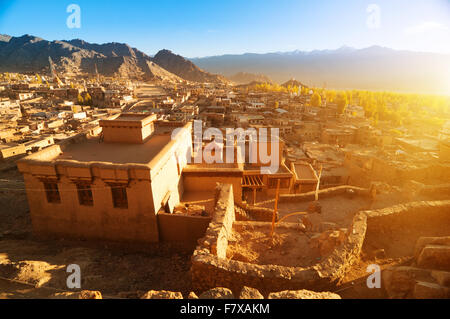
point(112, 161)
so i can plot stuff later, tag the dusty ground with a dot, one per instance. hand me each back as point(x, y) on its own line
point(110, 271)
point(339, 210)
point(14, 215)
point(287, 248)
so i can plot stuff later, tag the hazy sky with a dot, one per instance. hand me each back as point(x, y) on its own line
point(196, 28)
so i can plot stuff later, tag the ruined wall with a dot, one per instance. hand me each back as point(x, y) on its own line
point(221, 226)
point(324, 193)
point(396, 229)
point(426, 174)
point(210, 268)
point(257, 213)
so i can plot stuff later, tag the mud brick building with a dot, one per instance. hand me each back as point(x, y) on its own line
point(112, 186)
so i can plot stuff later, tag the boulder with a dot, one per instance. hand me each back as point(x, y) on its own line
point(427, 290)
point(196, 210)
point(328, 241)
point(325, 226)
point(424, 241)
point(250, 293)
point(88, 294)
point(162, 294)
point(314, 207)
point(180, 209)
point(66, 295)
point(303, 294)
point(442, 277)
point(130, 294)
point(435, 257)
point(399, 281)
point(217, 293)
point(306, 222)
point(192, 295)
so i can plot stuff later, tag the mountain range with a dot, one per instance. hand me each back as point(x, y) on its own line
point(373, 68)
point(30, 54)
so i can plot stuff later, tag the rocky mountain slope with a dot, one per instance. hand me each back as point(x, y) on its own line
point(30, 54)
point(184, 68)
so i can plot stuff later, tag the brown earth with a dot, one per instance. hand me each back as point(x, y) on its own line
point(288, 247)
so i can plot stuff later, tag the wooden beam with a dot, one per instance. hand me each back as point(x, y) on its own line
point(276, 207)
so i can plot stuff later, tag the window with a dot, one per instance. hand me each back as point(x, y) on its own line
point(85, 197)
point(52, 192)
point(119, 195)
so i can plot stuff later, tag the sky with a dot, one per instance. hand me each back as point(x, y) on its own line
point(198, 28)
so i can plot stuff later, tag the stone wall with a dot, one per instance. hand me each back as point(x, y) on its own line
point(210, 268)
point(324, 193)
point(397, 228)
point(221, 226)
point(257, 213)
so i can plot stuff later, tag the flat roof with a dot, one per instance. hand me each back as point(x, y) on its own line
point(304, 171)
point(118, 153)
point(129, 119)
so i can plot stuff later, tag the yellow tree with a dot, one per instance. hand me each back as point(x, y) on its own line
point(88, 99)
point(316, 100)
point(331, 96)
point(80, 99)
point(342, 102)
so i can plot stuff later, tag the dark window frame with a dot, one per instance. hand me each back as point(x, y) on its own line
point(85, 196)
point(52, 192)
point(119, 195)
